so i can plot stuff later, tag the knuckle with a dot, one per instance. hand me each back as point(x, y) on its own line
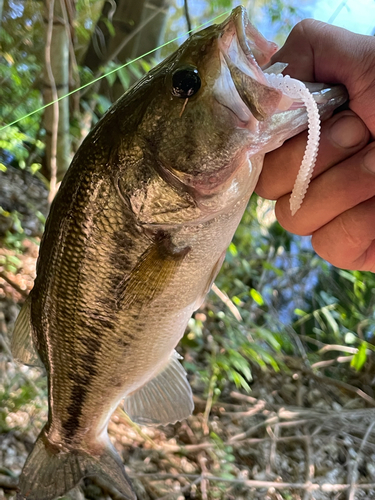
point(264, 188)
point(294, 224)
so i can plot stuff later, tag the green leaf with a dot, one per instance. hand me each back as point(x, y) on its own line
point(347, 275)
point(239, 380)
point(256, 296)
point(134, 68)
point(233, 249)
point(359, 288)
point(270, 267)
point(237, 301)
point(146, 66)
point(270, 338)
point(103, 103)
point(330, 319)
point(111, 78)
point(109, 26)
point(2, 167)
point(14, 260)
point(124, 76)
point(359, 358)
point(35, 167)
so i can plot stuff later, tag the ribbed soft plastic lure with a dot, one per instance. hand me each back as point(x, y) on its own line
point(297, 90)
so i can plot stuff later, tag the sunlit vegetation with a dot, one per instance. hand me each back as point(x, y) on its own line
point(281, 331)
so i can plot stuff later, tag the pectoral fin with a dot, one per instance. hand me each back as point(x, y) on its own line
point(22, 344)
point(153, 272)
point(165, 399)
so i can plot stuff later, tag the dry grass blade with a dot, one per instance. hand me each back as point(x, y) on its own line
point(323, 487)
point(121, 416)
point(224, 297)
point(354, 465)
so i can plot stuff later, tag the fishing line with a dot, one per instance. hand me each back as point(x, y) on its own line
point(111, 72)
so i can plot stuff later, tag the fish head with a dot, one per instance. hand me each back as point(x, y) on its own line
point(214, 106)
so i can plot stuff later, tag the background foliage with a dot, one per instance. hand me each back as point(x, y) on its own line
point(275, 299)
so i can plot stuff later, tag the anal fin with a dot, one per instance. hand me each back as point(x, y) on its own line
point(165, 399)
point(22, 344)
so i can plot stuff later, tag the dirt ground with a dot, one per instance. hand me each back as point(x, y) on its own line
point(299, 435)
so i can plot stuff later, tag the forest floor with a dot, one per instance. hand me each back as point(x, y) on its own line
point(298, 435)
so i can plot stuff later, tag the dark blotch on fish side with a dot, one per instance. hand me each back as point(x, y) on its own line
point(82, 380)
point(77, 398)
point(108, 323)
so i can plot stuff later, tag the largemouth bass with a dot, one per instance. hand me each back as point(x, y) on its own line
point(135, 237)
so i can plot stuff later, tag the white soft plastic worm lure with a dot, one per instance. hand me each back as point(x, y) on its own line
point(298, 90)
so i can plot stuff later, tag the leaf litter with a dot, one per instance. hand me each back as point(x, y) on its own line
point(298, 435)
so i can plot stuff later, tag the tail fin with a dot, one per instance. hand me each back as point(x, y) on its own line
point(49, 472)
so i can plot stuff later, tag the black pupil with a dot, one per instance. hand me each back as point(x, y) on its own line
point(186, 82)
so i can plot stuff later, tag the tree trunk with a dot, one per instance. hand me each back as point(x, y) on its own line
point(56, 84)
point(138, 28)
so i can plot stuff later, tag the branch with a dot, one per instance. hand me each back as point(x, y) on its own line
point(342, 385)
point(354, 469)
point(187, 16)
point(204, 483)
point(8, 483)
point(182, 490)
point(224, 297)
point(14, 285)
point(207, 410)
point(122, 417)
point(324, 487)
point(68, 23)
point(55, 122)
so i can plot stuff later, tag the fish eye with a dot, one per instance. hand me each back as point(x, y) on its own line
point(185, 82)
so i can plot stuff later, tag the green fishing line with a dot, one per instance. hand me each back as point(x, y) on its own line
point(111, 72)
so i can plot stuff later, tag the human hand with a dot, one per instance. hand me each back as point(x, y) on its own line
point(339, 207)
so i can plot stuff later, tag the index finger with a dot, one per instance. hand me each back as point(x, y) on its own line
point(342, 136)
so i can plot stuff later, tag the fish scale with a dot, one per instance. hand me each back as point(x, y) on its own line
point(135, 237)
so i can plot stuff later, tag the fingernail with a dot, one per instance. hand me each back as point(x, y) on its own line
point(348, 131)
point(369, 160)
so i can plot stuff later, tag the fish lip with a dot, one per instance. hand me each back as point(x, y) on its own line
point(227, 94)
point(243, 88)
point(235, 28)
point(253, 44)
point(241, 21)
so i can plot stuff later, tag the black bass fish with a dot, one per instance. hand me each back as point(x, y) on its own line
point(135, 238)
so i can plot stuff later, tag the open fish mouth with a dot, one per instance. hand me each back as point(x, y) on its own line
point(254, 95)
point(244, 87)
